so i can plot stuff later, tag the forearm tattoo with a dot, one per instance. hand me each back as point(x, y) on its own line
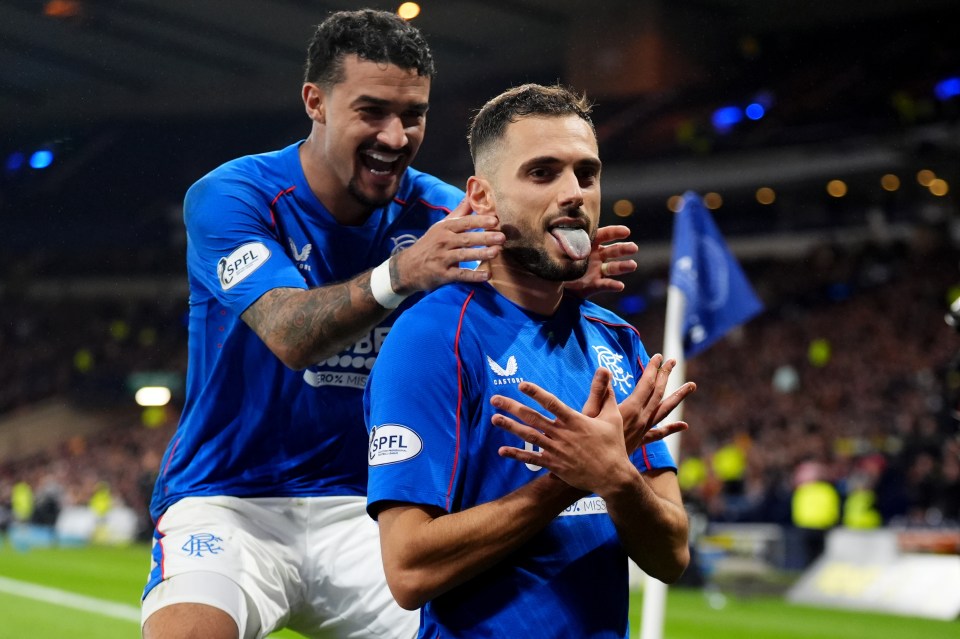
point(315, 324)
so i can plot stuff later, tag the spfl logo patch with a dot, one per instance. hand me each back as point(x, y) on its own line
point(392, 443)
point(241, 263)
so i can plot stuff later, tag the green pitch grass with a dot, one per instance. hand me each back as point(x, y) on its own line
point(116, 575)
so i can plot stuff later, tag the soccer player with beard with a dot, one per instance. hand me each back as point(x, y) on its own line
point(260, 501)
point(504, 527)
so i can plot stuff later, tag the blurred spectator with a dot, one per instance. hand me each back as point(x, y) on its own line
point(852, 365)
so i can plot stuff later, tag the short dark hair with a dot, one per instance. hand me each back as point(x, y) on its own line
point(377, 36)
point(526, 100)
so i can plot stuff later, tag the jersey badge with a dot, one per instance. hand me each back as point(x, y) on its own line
point(611, 361)
point(401, 242)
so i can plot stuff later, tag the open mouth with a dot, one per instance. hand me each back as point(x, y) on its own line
point(381, 162)
point(573, 238)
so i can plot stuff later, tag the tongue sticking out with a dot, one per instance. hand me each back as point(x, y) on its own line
point(575, 242)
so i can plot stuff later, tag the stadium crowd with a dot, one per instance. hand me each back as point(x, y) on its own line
point(849, 377)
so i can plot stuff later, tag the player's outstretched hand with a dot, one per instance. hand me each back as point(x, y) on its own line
point(435, 258)
point(605, 262)
point(583, 451)
point(646, 406)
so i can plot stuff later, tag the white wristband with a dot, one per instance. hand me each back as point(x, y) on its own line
point(382, 289)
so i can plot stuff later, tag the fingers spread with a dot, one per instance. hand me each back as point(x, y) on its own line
point(598, 390)
point(521, 411)
point(617, 267)
point(617, 250)
point(546, 399)
point(612, 233)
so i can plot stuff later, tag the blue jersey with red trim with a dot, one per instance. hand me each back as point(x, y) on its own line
point(428, 411)
point(250, 426)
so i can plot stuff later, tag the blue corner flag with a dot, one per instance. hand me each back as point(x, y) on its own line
point(718, 294)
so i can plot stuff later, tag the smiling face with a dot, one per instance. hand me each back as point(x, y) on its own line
point(367, 129)
point(544, 184)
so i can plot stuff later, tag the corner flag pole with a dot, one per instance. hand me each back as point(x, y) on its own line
point(708, 295)
point(654, 590)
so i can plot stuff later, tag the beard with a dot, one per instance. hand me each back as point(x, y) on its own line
point(522, 251)
point(365, 199)
point(535, 260)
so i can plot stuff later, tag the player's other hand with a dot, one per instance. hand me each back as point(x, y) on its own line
point(584, 451)
point(646, 406)
point(606, 263)
point(435, 259)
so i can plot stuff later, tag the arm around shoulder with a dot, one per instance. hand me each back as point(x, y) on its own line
point(304, 326)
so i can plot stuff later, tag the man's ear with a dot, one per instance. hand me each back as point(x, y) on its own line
point(314, 102)
point(480, 195)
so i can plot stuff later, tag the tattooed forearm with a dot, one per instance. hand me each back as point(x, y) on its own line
point(304, 327)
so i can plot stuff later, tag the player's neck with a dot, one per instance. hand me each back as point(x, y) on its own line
point(523, 288)
point(341, 205)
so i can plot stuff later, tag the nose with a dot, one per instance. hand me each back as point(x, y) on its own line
point(393, 134)
point(570, 194)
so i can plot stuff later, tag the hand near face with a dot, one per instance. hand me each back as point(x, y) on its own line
point(435, 258)
point(606, 263)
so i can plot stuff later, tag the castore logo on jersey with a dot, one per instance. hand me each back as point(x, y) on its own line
point(507, 374)
point(300, 256)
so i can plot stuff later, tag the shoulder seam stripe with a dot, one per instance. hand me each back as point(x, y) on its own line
point(456, 354)
point(286, 191)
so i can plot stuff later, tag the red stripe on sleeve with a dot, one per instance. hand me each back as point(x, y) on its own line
point(456, 352)
point(435, 207)
point(273, 218)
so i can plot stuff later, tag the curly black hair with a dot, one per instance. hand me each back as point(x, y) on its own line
point(377, 36)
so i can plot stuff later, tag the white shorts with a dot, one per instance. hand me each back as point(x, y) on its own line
point(309, 564)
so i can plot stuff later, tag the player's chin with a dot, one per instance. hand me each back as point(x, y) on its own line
point(567, 270)
point(374, 195)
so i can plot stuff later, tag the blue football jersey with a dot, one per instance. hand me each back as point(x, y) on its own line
point(250, 426)
point(428, 411)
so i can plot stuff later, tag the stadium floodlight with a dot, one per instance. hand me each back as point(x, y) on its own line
point(153, 396)
point(726, 117)
point(755, 111)
point(41, 159)
point(947, 88)
point(15, 161)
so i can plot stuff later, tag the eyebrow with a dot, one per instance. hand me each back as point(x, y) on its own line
point(422, 107)
point(594, 163)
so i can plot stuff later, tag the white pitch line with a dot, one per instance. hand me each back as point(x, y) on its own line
point(69, 599)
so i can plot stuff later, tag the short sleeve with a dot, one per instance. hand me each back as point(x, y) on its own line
point(412, 415)
point(232, 249)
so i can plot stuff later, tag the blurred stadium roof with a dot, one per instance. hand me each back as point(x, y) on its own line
point(138, 98)
point(96, 59)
